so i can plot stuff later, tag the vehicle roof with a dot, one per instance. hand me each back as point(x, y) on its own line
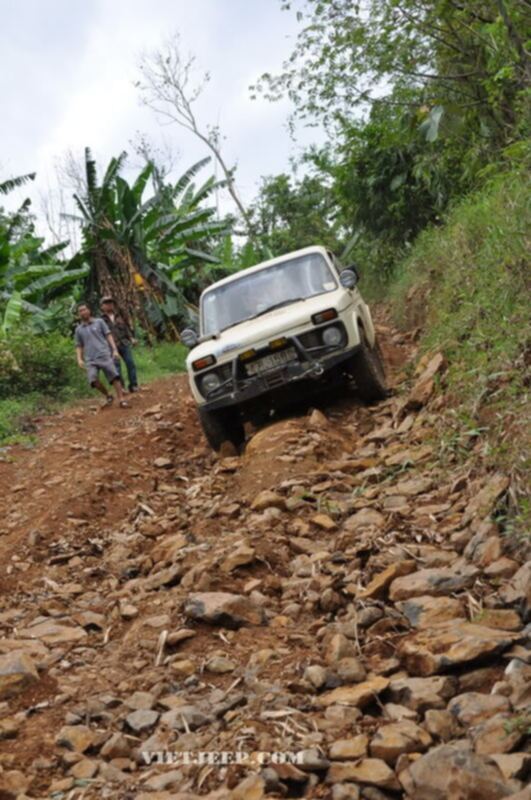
point(286, 257)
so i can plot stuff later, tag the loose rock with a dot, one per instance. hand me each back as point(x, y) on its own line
point(359, 696)
point(222, 608)
point(421, 694)
point(434, 582)
point(17, 672)
point(452, 770)
point(372, 771)
point(349, 749)
point(142, 720)
point(399, 737)
point(426, 611)
point(380, 583)
point(473, 707)
point(75, 737)
point(449, 644)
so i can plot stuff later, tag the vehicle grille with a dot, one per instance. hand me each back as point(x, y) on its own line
point(225, 371)
point(310, 339)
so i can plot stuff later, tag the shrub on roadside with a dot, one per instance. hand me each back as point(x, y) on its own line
point(42, 364)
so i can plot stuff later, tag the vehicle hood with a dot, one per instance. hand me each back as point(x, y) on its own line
point(280, 322)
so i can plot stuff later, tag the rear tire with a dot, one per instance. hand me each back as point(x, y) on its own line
point(367, 369)
point(221, 426)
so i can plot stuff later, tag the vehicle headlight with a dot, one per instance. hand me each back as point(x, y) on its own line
point(332, 336)
point(210, 382)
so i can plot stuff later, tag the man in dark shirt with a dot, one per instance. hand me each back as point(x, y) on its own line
point(96, 349)
point(123, 336)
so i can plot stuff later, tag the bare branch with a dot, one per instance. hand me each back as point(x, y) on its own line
point(168, 86)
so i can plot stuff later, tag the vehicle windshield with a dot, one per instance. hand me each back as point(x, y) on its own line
point(254, 294)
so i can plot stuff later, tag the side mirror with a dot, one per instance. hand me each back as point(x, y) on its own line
point(189, 338)
point(348, 278)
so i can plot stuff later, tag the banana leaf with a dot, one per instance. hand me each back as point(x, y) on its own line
point(12, 313)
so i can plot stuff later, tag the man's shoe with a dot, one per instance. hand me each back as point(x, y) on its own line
point(134, 389)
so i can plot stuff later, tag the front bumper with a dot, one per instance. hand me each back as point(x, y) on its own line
point(246, 389)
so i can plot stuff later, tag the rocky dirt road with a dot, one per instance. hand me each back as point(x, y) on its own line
point(338, 595)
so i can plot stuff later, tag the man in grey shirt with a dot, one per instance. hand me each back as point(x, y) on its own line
point(96, 349)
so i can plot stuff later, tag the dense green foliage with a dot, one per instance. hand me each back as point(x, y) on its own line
point(422, 101)
point(31, 277)
point(290, 214)
point(346, 51)
point(138, 249)
point(37, 363)
point(38, 374)
point(153, 255)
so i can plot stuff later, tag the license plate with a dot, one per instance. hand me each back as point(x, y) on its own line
point(270, 362)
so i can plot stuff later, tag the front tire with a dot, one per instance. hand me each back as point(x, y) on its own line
point(367, 369)
point(224, 425)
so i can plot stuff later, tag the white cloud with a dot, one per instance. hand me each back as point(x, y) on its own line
point(73, 64)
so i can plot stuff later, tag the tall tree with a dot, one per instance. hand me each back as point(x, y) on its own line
point(471, 57)
point(169, 86)
point(136, 247)
point(289, 215)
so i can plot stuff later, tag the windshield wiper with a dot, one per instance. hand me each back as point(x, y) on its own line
point(277, 305)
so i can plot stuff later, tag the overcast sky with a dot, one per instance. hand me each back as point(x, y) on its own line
point(68, 68)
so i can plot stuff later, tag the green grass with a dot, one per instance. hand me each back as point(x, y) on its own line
point(157, 362)
point(17, 413)
point(467, 284)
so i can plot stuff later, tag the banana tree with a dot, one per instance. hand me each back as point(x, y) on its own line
point(31, 276)
point(135, 247)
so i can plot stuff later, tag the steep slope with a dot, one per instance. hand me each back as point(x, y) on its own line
point(338, 594)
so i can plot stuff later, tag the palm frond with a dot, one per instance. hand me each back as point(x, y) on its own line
point(140, 183)
point(187, 176)
point(53, 250)
point(12, 313)
point(115, 165)
point(204, 191)
point(202, 256)
point(54, 281)
point(82, 207)
point(18, 216)
point(16, 183)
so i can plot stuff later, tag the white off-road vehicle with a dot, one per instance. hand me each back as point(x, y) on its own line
point(270, 334)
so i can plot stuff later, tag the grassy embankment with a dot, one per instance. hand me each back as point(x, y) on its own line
point(467, 285)
point(66, 382)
